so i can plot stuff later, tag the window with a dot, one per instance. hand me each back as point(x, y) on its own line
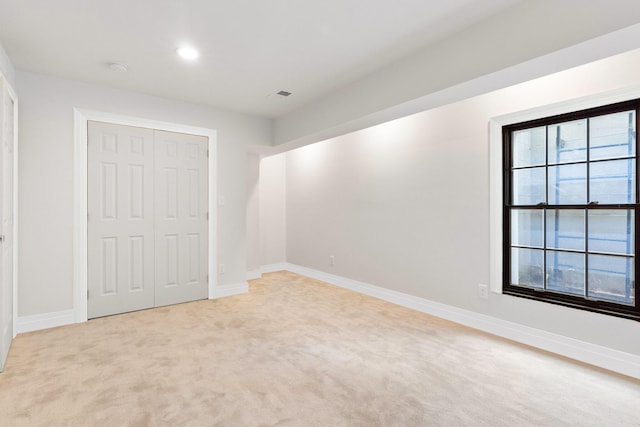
point(570, 210)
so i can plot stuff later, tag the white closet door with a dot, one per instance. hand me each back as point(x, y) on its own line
point(180, 217)
point(6, 222)
point(120, 223)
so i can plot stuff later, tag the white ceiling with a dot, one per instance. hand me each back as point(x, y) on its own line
point(250, 49)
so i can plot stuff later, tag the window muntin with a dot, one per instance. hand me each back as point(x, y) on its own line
point(570, 209)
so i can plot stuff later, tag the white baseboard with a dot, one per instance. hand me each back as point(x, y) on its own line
point(270, 268)
point(253, 275)
point(230, 290)
point(44, 321)
point(274, 267)
point(37, 322)
point(603, 357)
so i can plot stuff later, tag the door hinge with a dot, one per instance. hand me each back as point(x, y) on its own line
point(207, 216)
point(87, 293)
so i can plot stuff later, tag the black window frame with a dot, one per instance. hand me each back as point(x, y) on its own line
point(565, 299)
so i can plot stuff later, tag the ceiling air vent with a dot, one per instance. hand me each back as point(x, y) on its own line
point(283, 93)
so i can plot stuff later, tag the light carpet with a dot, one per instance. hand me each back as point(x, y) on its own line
point(298, 352)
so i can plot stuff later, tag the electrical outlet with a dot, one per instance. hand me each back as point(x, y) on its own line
point(332, 260)
point(483, 291)
point(220, 268)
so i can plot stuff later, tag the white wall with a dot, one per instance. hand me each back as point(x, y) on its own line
point(6, 67)
point(273, 210)
point(405, 205)
point(253, 213)
point(46, 178)
point(526, 37)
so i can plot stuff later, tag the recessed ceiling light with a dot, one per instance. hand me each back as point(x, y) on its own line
point(116, 66)
point(187, 52)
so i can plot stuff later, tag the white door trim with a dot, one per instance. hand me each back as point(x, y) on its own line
point(81, 117)
point(14, 98)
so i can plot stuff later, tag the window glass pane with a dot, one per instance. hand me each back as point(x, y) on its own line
point(611, 278)
point(528, 147)
point(526, 227)
point(611, 231)
point(568, 142)
point(612, 135)
point(612, 181)
point(568, 184)
point(529, 186)
point(527, 267)
point(565, 229)
point(565, 272)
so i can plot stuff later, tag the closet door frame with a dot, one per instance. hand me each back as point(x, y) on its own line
point(80, 239)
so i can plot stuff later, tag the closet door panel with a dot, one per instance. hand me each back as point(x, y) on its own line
point(121, 238)
point(181, 223)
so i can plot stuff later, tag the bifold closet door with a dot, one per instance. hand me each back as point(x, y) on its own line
point(148, 222)
point(121, 219)
point(181, 223)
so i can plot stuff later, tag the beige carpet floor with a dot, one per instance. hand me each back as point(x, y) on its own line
point(298, 352)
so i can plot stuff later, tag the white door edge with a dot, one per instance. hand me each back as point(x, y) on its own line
point(80, 252)
point(14, 98)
